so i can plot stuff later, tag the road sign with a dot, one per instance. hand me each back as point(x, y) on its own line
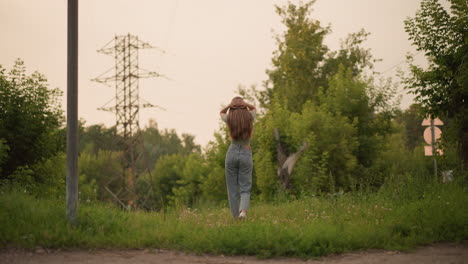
point(428, 151)
point(427, 122)
point(431, 134)
point(428, 134)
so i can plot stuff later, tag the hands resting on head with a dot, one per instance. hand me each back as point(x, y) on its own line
point(238, 102)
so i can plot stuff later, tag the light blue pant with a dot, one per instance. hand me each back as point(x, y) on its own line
point(238, 165)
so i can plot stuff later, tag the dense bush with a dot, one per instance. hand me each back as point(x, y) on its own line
point(32, 138)
point(30, 123)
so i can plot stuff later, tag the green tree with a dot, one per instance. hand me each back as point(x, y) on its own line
point(332, 143)
point(3, 153)
point(368, 106)
point(158, 143)
point(302, 64)
point(30, 119)
point(189, 145)
point(188, 189)
point(97, 137)
point(442, 88)
point(296, 75)
point(213, 185)
point(100, 171)
point(159, 185)
point(52, 172)
point(101, 164)
point(319, 97)
point(395, 158)
point(411, 120)
point(350, 56)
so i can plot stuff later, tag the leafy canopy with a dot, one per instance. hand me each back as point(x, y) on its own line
point(30, 119)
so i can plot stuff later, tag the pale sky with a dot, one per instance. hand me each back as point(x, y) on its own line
point(212, 46)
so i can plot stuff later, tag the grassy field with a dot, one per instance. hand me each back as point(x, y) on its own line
point(399, 217)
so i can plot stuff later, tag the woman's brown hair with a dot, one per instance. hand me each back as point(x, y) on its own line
point(240, 121)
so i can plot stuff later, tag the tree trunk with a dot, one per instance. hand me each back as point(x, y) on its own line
point(286, 163)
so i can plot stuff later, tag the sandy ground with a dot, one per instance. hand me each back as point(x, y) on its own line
point(441, 253)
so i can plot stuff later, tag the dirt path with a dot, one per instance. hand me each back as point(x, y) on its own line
point(441, 253)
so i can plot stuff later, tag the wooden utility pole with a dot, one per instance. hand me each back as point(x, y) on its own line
point(72, 112)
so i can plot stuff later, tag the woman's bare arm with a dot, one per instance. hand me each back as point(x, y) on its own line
point(224, 110)
point(249, 106)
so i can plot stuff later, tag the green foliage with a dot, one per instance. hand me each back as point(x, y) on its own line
point(30, 119)
point(158, 143)
point(296, 74)
point(321, 97)
point(265, 168)
point(168, 173)
point(442, 88)
point(160, 183)
point(350, 56)
point(409, 211)
point(43, 179)
point(188, 188)
point(101, 166)
point(303, 65)
point(346, 130)
point(23, 177)
point(88, 189)
point(96, 172)
point(213, 185)
point(331, 142)
point(32, 140)
point(4, 148)
point(53, 176)
point(396, 159)
point(96, 137)
point(412, 118)
point(368, 107)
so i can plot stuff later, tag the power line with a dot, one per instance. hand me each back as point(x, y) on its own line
point(171, 24)
point(396, 65)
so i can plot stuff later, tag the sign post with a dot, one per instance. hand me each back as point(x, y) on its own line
point(431, 134)
point(433, 147)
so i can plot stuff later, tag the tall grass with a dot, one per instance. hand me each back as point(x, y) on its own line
point(401, 215)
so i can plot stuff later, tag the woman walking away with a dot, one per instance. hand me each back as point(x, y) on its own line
point(238, 161)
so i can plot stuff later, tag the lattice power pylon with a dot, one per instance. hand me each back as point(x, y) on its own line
point(127, 73)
